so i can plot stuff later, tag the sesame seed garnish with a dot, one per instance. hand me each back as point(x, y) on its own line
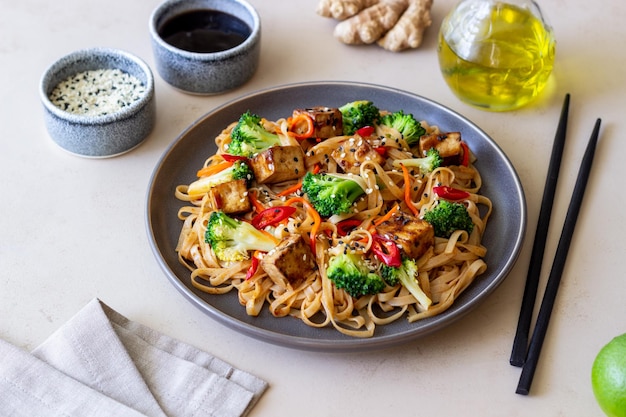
point(97, 92)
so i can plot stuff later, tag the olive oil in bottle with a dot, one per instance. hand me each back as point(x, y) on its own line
point(496, 55)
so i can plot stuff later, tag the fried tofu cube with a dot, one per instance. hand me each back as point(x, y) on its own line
point(290, 262)
point(447, 144)
point(232, 196)
point(278, 164)
point(413, 235)
point(327, 121)
point(354, 152)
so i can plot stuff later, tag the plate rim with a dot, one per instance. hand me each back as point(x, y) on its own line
point(350, 344)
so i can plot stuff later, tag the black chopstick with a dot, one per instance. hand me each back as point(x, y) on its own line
point(520, 343)
point(545, 311)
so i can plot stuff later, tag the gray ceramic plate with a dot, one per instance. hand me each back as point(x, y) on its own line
point(503, 237)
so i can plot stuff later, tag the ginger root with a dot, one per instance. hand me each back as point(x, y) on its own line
point(370, 24)
point(409, 31)
point(395, 25)
point(342, 9)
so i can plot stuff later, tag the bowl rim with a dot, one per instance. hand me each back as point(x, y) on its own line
point(73, 57)
point(250, 41)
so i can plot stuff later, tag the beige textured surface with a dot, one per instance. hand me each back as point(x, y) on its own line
point(73, 229)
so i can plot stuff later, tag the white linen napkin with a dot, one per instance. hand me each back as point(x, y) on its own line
point(101, 363)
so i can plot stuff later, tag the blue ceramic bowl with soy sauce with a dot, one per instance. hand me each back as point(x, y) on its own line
point(205, 46)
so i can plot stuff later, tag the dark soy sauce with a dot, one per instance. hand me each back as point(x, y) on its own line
point(204, 31)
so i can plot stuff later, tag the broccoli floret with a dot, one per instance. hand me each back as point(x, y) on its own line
point(231, 239)
point(349, 271)
point(331, 194)
point(410, 129)
point(239, 170)
point(242, 171)
point(426, 164)
point(249, 137)
point(447, 217)
point(358, 114)
point(405, 274)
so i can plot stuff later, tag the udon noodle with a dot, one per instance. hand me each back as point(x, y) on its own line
point(445, 270)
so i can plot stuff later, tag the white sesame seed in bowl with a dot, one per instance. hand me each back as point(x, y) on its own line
point(98, 102)
point(97, 92)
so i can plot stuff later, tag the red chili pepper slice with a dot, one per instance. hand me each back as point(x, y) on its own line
point(253, 268)
point(366, 131)
point(466, 154)
point(233, 158)
point(386, 250)
point(449, 193)
point(381, 150)
point(272, 216)
point(346, 226)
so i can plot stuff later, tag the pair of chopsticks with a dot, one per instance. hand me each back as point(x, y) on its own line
point(524, 354)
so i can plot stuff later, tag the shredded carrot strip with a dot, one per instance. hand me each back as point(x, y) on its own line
point(290, 190)
point(214, 169)
point(295, 122)
point(387, 215)
point(407, 191)
point(317, 219)
point(294, 188)
point(255, 202)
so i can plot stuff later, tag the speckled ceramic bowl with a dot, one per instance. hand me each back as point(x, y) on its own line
point(96, 134)
point(206, 73)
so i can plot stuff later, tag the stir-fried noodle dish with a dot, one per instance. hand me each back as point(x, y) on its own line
point(351, 217)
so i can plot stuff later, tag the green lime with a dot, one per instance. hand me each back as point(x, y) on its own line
point(608, 377)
